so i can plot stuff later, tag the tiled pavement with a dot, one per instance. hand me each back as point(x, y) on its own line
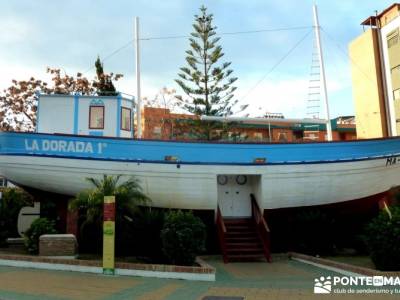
point(283, 279)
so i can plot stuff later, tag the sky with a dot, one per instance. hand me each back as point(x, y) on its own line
point(70, 35)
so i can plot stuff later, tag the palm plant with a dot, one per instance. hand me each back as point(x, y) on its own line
point(128, 196)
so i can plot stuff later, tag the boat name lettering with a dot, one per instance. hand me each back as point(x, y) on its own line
point(64, 146)
point(392, 160)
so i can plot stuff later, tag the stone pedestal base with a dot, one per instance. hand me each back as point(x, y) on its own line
point(58, 245)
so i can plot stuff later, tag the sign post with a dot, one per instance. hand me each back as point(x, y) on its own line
point(109, 236)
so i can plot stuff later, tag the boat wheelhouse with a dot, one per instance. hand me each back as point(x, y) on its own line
point(85, 115)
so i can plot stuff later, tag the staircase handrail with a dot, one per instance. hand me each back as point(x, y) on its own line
point(221, 233)
point(262, 226)
point(220, 220)
point(256, 211)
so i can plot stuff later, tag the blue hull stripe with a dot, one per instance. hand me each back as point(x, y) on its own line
point(104, 148)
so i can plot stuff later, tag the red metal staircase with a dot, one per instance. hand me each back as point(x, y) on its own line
point(244, 239)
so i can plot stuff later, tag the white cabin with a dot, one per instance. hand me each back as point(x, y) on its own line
point(110, 116)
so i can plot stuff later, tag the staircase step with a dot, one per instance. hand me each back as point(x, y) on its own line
point(242, 240)
point(240, 227)
point(245, 256)
point(239, 239)
point(241, 231)
point(241, 234)
point(240, 244)
point(258, 250)
point(238, 221)
point(233, 229)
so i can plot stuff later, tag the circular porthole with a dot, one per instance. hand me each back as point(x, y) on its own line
point(222, 179)
point(241, 179)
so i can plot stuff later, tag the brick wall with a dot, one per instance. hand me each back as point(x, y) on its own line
point(160, 123)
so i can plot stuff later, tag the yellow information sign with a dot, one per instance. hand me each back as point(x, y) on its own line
point(109, 236)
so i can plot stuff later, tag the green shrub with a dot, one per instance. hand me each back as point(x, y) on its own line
point(183, 237)
point(382, 237)
point(312, 232)
point(128, 196)
point(13, 199)
point(146, 234)
point(39, 227)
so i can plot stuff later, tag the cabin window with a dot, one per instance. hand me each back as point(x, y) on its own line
point(126, 114)
point(96, 117)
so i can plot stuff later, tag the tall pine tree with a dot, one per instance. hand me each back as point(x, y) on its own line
point(206, 80)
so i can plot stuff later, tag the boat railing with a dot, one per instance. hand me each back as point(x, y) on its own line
point(262, 227)
point(221, 228)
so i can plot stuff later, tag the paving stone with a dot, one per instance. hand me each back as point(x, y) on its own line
point(222, 298)
point(280, 280)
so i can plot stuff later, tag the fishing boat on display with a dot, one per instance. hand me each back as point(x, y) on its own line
point(87, 136)
point(194, 175)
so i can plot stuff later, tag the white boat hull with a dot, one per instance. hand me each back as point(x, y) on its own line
point(195, 186)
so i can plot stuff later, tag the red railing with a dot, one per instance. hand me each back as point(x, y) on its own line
point(221, 234)
point(262, 227)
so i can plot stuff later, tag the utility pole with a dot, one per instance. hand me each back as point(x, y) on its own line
point(138, 98)
point(322, 69)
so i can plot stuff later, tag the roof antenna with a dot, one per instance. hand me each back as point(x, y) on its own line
point(138, 98)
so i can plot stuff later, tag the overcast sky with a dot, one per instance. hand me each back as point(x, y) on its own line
point(70, 34)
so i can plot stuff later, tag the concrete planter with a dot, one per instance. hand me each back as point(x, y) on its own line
point(204, 272)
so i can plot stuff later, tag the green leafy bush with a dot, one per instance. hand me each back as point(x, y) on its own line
point(13, 199)
point(382, 237)
point(146, 234)
point(312, 232)
point(39, 227)
point(183, 237)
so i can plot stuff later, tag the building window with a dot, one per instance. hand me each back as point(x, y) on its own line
point(396, 94)
point(126, 114)
point(282, 137)
point(342, 136)
point(156, 132)
point(258, 136)
point(392, 39)
point(311, 135)
point(96, 117)
point(396, 71)
point(216, 134)
point(298, 134)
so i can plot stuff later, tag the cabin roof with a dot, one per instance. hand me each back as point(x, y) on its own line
point(89, 96)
